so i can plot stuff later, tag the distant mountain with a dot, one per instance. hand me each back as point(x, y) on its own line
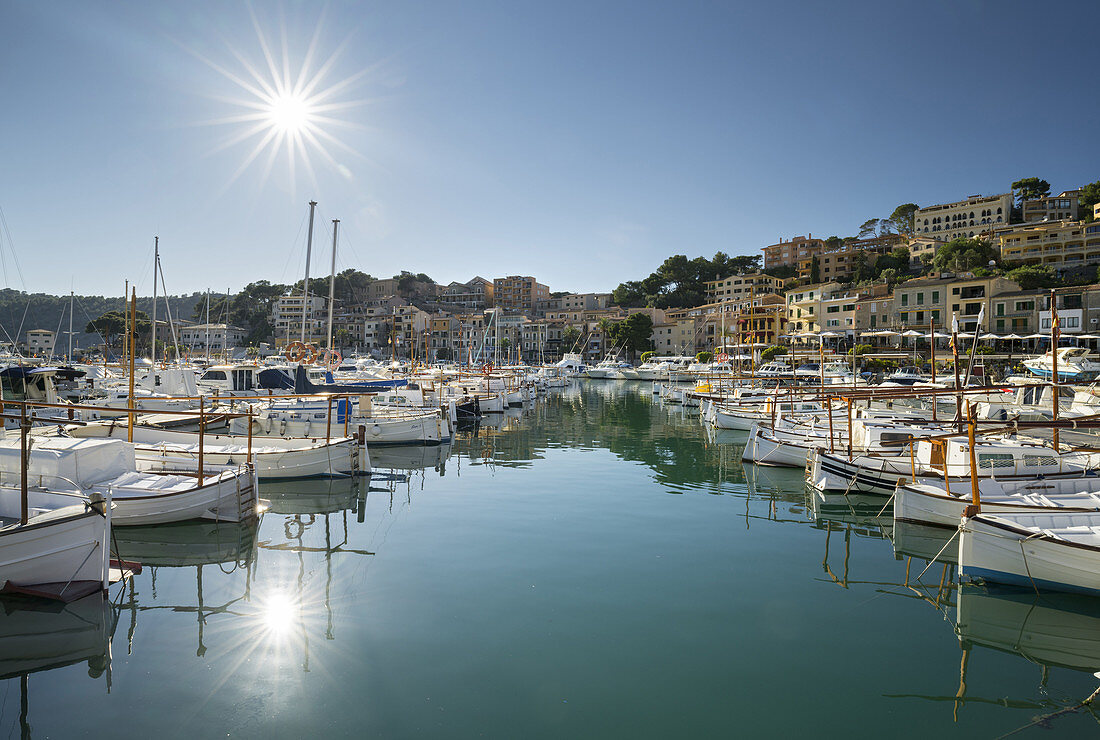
point(21, 312)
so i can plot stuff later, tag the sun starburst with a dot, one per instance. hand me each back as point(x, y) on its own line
point(287, 108)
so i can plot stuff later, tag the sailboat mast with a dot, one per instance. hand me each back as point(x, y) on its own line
point(72, 297)
point(305, 283)
point(156, 261)
point(207, 344)
point(332, 280)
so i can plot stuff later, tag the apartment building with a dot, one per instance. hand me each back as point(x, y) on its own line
point(1057, 244)
point(475, 294)
point(737, 286)
point(519, 293)
point(964, 218)
point(40, 342)
point(792, 253)
point(802, 307)
point(841, 260)
point(585, 301)
point(1016, 312)
point(674, 337)
point(1052, 208)
point(939, 298)
point(211, 337)
point(288, 313)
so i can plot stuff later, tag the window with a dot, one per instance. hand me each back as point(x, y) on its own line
point(1000, 309)
point(1025, 305)
point(1035, 460)
point(905, 299)
point(832, 309)
point(990, 460)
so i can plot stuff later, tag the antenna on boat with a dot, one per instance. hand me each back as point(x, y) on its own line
point(305, 283)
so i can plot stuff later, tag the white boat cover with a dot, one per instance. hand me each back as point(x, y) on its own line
point(84, 462)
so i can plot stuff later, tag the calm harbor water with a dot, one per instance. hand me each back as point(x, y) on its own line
point(598, 565)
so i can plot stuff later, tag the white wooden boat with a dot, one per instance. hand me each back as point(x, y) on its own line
point(309, 419)
point(62, 549)
point(1049, 550)
point(929, 502)
point(64, 470)
point(167, 451)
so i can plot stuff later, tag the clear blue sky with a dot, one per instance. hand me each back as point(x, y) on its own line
point(580, 142)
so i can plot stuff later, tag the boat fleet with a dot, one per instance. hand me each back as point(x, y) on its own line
point(1010, 471)
point(87, 450)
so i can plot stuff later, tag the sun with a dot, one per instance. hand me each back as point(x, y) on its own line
point(290, 113)
point(288, 107)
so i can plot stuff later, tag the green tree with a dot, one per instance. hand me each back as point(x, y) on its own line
point(772, 352)
point(1030, 277)
point(569, 338)
point(964, 253)
point(1089, 197)
point(815, 270)
point(868, 228)
point(1030, 188)
point(112, 324)
point(902, 218)
point(704, 356)
point(889, 276)
point(633, 333)
point(249, 309)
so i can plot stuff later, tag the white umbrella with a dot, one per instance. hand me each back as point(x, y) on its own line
point(966, 335)
point(828, 334)
point(1013, 336)
point(991, 336)
point(1035, 336)
point(912, 333)
point(938, 335)
point(1088, 336)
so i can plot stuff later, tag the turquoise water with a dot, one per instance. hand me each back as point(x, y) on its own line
point(594, 566)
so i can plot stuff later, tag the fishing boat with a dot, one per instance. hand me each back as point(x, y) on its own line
point(930, 502)
point(1045, 550)
point(64, 471)
point(170, 451)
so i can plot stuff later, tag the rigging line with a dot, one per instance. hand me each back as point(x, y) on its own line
point(20, 330)
point(294, 248)
point(14, 256)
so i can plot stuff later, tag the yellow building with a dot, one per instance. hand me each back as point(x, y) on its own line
point(1058, 244)
point(740, 286)
point(793, 252)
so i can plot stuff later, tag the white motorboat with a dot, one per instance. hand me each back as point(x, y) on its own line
point(1075, 365)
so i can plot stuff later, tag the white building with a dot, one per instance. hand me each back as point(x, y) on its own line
point(286, 316)
point(964, 218)
point(211, 337)
point(40, 342)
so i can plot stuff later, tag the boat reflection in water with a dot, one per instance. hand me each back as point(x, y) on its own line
point(38, 635)
point(1051, 629)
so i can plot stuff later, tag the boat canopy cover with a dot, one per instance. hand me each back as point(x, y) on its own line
point(302, 384)
point(275, 379)
point(62, 462)
point(66, 373)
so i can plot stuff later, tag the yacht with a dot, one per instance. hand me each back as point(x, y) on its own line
point(1074, 365)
